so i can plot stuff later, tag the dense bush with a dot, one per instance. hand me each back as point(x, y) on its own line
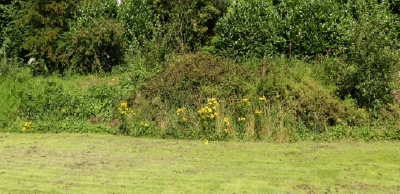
point(259, 28)
point(189, 79)
point(250, 28)
point(97, 47)
point(185, 23)
point(11, 35)
point(308, 98)
point(58, 45)
point(372, 57)
point(138, 18)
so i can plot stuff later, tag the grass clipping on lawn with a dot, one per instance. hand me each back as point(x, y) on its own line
point(94, 163)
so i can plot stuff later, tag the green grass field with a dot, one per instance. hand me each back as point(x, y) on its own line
point(94, 163)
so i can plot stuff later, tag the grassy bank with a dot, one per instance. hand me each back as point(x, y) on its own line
point(196, 96)
point(93, 163)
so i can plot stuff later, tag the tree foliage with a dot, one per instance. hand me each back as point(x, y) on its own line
point(62, 42)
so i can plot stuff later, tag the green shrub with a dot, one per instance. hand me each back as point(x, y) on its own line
point(261, 28)
point(138, 18)
point(187, 80)
point(313, 26)
point(373, 61)
point(185, 23)
point(249, 28)
point(97, 47)
point(11, 35)
point(294, 87)
point(60, 43)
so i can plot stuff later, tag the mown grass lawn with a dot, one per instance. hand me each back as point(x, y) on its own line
point(94, 163)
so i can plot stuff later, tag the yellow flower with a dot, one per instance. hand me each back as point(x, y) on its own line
point(211, 116)
point(62, 110)
point(26, 126)
point(184, 119)
point(226, 130)
point(262, 99)
point(245, 100)
point(216, 114)
point(241, 119)
point(258, 111)
point(124, 105)
point(180, 110)
point(205, 142)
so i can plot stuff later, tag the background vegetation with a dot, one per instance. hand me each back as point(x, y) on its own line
point(220, 70)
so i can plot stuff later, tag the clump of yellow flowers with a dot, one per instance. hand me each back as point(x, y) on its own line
point(144, 124)
point(262, 99)
point(124, 110)
point(245, 101)
point(180, 113)
point(26, 126)
point(210, 110)
point(205, 141)
point(227, 125)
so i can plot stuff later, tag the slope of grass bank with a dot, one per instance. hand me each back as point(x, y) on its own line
point(93, 163)
point(293, 101)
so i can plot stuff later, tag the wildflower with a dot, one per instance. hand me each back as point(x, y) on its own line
point(245, 101)
point(26, 126)
point(124, 105)
point(226, 130)
point(258, 111)
point(205, 142)
point(184, 119)
point(180, 110)
point(226, 120)
point(62, 110)
point(241, 119)
point(262, 99)
point(144, 124)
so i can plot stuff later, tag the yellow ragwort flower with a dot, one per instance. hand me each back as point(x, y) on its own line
point(180, 110)
point(258, 111)
point(62, 110)
point(262, 99)
point(205, 142)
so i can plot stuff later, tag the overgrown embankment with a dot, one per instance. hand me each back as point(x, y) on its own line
point(205, 69)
